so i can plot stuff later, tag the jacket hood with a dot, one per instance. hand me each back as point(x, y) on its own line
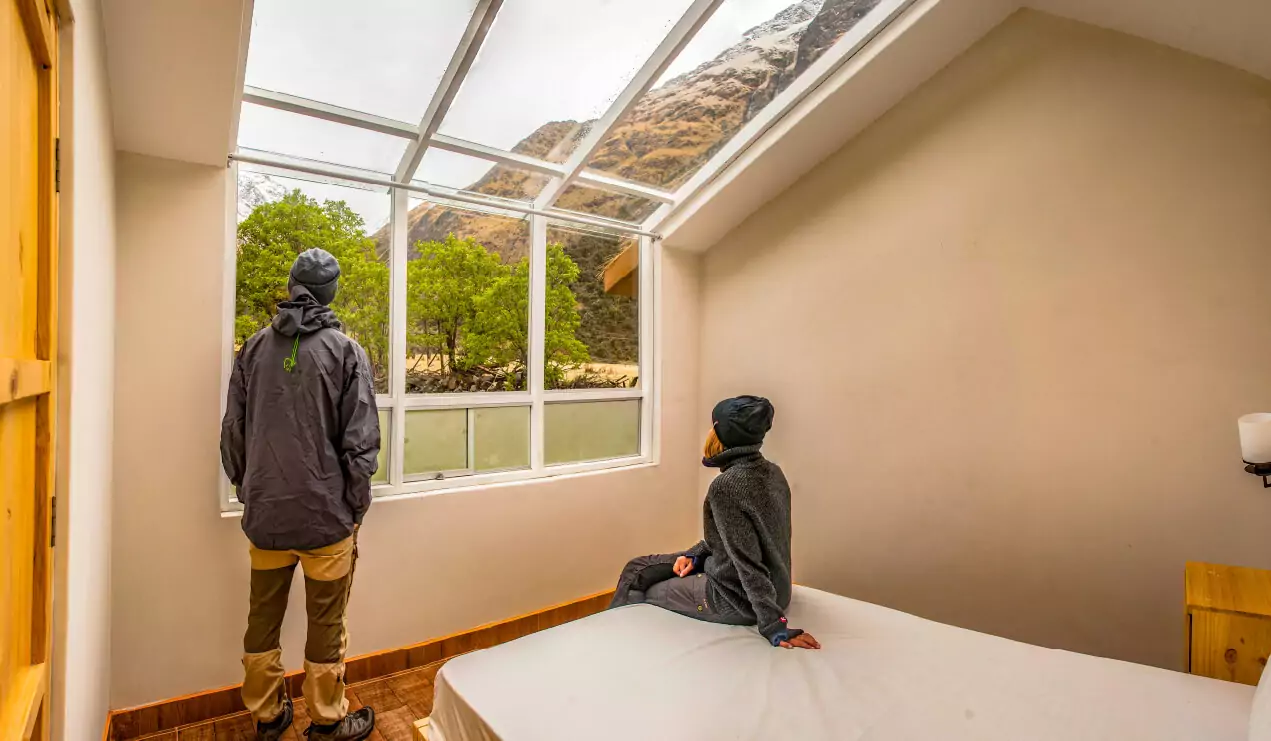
point(303, 314)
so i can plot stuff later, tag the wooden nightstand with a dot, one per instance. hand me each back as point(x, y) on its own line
point(1227, 621)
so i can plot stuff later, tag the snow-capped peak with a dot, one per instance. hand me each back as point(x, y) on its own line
point(255, 189)
point(798, 14)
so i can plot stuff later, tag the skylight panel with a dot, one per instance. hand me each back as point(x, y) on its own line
point(742, 58)
point(550, 67)
point(258, 185)
point(476, 175)
point(377, 56)
point(598, 202)
point(296, 135)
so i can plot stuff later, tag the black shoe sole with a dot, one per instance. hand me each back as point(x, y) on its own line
point(366, 735)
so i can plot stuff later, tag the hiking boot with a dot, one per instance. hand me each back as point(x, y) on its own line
point(274, 729)
point(355, 727)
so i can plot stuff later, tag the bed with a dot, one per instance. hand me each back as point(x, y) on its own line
point(644, 673)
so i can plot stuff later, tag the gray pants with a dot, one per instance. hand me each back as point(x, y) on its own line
point(649, 580)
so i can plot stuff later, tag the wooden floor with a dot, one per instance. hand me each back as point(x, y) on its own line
point(399, 700)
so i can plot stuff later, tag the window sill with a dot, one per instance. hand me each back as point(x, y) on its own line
point(459, 488)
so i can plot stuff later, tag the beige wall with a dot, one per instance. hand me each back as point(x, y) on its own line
point(429, 565)
point(85, 381)
point(1008, 331)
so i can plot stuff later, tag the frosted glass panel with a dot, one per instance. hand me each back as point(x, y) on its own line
point(381, 473)
point(501, 438)
point(591, 430)
point(436, 440)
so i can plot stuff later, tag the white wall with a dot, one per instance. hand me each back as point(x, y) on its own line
point(85, 382)
point(1008, 331)
point(430, 566)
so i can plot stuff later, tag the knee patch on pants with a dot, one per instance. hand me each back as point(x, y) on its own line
point(325, 602)
point(268, 604)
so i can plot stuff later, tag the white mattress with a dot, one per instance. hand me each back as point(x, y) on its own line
point(643, 673)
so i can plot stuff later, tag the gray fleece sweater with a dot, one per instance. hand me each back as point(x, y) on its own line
point(746, 550)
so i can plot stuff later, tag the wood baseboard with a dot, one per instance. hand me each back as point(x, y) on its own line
point(203, 706)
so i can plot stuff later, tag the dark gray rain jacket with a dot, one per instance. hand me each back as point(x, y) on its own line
point(301, 445)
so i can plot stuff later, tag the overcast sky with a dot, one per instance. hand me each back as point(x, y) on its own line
point(544, 60)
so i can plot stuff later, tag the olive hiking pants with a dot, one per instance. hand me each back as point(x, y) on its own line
point(328, 573)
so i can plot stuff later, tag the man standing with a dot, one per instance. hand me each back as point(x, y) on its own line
point(299, 442)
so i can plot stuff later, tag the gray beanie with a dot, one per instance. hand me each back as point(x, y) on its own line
point(742, 420)
point(319, 272)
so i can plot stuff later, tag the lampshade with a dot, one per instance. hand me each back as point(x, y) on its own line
point(1255, 437)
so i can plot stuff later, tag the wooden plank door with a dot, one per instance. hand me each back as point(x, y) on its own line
point(28, 348)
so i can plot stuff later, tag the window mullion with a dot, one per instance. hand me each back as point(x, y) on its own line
point(650, 292)
point(644, 319)
point(397, 343)
point(538, 323)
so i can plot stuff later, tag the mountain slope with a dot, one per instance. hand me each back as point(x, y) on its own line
point(669, 133)
point(675, 128)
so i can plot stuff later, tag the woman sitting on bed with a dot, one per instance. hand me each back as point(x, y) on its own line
point(740, 573)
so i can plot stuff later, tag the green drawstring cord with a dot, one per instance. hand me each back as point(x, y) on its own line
point(289, 364)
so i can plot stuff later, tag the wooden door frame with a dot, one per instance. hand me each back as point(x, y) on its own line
point(25, 714)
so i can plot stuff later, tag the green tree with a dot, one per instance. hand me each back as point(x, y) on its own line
point(269, 240)
point(445, 282)
point(500, 335)
point(562, 348)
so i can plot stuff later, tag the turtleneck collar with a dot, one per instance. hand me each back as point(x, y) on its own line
point(732, 456)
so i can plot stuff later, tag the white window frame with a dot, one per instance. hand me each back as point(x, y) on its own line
point(397, 402)
point(671, 206)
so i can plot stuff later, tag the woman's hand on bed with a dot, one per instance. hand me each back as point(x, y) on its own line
point(803, 640)
point(683, 566)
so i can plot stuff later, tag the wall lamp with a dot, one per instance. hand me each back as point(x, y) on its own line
point(1255, 445)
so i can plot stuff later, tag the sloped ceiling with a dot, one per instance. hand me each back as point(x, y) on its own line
point(175, 64)
point(917, 45)
point(174, 67)
point(1235, 32)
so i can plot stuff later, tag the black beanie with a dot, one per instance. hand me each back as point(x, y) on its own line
point(318, 271)
point(742, 420)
